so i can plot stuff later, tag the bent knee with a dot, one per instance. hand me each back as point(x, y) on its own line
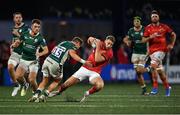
point(10, 67)
point(32, 80)
point(100, 85)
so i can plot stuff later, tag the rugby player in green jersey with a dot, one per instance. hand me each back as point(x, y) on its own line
point(133, 39)
point(19, 28)
point(53, 67)
point(31, 41)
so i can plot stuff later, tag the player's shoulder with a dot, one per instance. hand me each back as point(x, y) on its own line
point(163, 25)
point(131, 29)
point(110, 52)
point(148, 26)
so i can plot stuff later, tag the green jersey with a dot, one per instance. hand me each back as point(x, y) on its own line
point(60, 52)
point(136, 37)
point(21, 30)
point(31, 44)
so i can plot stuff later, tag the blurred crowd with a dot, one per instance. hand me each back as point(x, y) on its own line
point(144, 9)
point(79, 12)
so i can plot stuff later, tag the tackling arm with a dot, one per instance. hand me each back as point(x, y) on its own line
point(73, 54)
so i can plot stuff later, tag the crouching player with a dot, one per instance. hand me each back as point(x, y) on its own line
point(53, 66)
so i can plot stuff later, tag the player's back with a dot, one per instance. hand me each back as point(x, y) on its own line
point(60, 52)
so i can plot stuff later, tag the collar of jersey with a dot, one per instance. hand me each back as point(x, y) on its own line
point(20, 25)
point(31, 31)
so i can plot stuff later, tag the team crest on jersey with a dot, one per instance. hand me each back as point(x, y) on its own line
point(25, 37)
point(141, 33)
point(20, 30)
point(36, 40)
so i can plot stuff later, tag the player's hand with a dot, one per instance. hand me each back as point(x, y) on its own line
point(88, 63)
point(15, 32)
point(15, 44)
point(98, 44)
point(170, 47)
point(38, 54)
point(90, 40)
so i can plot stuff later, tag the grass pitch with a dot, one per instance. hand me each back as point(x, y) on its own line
point(113, 99)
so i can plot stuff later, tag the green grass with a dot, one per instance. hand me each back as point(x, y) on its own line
point(114, 98)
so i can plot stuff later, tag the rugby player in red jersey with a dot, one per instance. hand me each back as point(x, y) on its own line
point(155, 34)
point(100, 57)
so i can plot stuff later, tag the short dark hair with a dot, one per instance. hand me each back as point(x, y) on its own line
point(154, 12)
point(36, 21)
point(111, 37)
point(17, 13)
point(78, 39)
point(137, 18)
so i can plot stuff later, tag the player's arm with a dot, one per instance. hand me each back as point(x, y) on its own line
point(127, 41)
point(73, 54)
point(92, 41)
point(44, 52)
point(172, 42)
point(15, 43)
point(99, 57)
point(16, 33)
point(147, 38)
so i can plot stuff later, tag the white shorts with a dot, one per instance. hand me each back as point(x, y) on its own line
point(140, 58)
point(157, 57)
point(84, 73)
point(29, 66)
point(14, 59)
point(51, 67)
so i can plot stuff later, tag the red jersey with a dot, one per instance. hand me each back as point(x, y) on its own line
point(97, 66)
point(157, 43)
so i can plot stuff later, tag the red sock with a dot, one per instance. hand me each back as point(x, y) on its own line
point(165, 83)
point(155, 84)
point(92, 90)
point(61, 88)
point(155, 81)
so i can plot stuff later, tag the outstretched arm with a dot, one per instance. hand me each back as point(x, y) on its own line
point(73, 54)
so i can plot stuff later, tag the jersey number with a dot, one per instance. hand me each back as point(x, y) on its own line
point(57, 52)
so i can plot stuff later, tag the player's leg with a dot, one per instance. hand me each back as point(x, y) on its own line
point(12, 63)
point(16, 85)
point(47, 92)
point(39, 90)
point(53, 85)
point(78, 76)
point(138, 61)
point(98, 85)
point(164, 80)
point(68, 83)
point(20, 72)
point(33, 70)
point(156, 60)
point(32, 80)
